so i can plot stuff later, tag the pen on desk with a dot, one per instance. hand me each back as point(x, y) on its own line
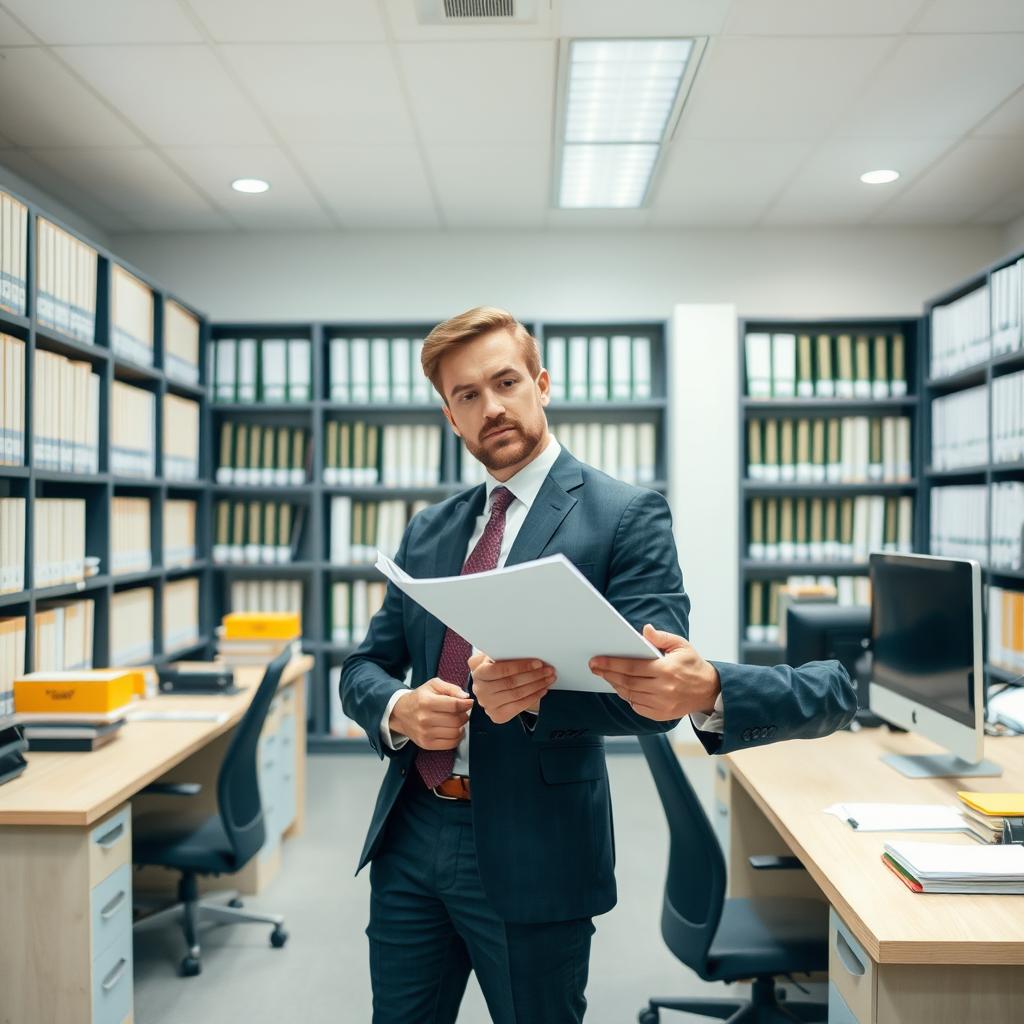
point(852, 823)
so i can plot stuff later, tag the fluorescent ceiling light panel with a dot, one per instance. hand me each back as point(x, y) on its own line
point(253, 186)
point(620, 94)
point(879, 177)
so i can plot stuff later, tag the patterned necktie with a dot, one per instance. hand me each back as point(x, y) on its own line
point(435, 766)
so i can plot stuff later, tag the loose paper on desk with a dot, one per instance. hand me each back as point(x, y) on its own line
point(183, 715)
point(544, 609)
point(900, 817)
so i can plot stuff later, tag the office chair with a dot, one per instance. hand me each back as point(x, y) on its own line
point(728, 939)
point(221, 843)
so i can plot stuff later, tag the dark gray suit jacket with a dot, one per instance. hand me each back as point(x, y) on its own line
point(541, 809)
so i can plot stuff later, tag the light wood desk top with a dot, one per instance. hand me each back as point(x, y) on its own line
point(793, 782)
point(80, 788)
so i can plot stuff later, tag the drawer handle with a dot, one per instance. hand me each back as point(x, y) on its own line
point(115, 975)
point(108, 839)
point(113, 906)
point(722, 809)
point(720, 768)
point(849, 958)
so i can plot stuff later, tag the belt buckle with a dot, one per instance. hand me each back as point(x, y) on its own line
point(441, 796)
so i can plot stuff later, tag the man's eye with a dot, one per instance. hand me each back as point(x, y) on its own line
point(467, 395)
point(509, 383)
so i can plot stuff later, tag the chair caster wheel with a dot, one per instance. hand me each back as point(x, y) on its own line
point(648, 1015)
point(278, 937)
point(190, 967)
point(236, 903)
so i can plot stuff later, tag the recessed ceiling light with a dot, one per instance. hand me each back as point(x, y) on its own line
point(879, 177)
point(619, 99)
point(250, 185)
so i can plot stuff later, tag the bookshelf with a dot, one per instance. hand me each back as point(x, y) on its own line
point(997, 354)
point(37, 479)
point(402, 406)
point(803, 496)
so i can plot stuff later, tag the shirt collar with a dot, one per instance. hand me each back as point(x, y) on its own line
point(526, 484)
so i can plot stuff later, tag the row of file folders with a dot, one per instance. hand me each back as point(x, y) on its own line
point(960, 523)
point(132, 539)
point(352, 604)
point(762, 601)
point(257, 532)
point(828, 529)
point(260, 455)
point(850, 449)
point(358, 529)
point(975, 327)
point(250, 370)
point(862, 366)
point(960, 425)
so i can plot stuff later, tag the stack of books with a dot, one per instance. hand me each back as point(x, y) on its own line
point(991, 810)
point(12, 545)
point(13, 254)
point(12, 398)
point(132, 431)
point(179, 533)
point(181, 343)
point(949, 868)
point(71, 711)
point(255, 638)
point(131, 626)
point(65, 282)
point(131, 300)
point(66, 414)
point(181, 438)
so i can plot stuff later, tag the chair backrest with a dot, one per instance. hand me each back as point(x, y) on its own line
point(238, 789)
point(695, 885)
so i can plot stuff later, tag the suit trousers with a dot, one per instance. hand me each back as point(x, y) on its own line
point(431, 924)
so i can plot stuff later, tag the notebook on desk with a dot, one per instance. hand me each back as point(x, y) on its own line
point(949, 868)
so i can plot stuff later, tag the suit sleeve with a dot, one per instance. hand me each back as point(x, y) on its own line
point(644, 585)
point(766, 705)
point(376, 669)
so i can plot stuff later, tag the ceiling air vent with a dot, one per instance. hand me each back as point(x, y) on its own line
point(453, 12)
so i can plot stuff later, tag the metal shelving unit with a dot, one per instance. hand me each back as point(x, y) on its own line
point(99, 489)
point(769, 653)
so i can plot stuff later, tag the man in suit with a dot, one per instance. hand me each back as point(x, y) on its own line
point(755, 704)
point(491, 841)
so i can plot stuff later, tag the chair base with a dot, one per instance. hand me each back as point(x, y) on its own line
point(763, 1007)
point(190, 911)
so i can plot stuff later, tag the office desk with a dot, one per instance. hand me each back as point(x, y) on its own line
point(66, 879)
point(895, 957)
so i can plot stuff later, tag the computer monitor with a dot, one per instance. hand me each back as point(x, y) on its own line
point(927, 672)
point(816, 631)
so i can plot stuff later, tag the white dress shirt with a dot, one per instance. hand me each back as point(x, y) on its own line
point(525, 486)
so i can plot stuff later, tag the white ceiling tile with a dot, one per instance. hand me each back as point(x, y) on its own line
point(737, 179)
point(405, 28)
point(137, 183)
point(50, 181)
point(820, 17)
point(936, 86)
point(1004, 211)
point(44, 105)
point(969, 179)
point(642, 18)
point(205, 107)
point(827, 187)
point(488, 93)
point(72, 22)
point(1007, 121)
point(583, 218)
point(289, 203)
point(972, 16)
point(11, 33)
point(762, 88)
point(371, 186)
point(492, 184)
point(298, 21)
point(326, 95)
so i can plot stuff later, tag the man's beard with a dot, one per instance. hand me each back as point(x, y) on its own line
point(512, 447)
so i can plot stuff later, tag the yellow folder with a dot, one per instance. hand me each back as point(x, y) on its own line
point(1000, 805)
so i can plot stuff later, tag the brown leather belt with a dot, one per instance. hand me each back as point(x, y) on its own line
point(455, 787)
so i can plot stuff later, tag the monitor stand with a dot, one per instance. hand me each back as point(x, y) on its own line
point(940, 766)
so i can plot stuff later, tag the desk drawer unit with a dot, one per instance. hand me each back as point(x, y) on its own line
point(720, 804)
point(851, 976)
point(110, 845)
point(112, 983)
point(110, 905)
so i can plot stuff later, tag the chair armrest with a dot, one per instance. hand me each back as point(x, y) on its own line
point(174, 788)
point(769, 862)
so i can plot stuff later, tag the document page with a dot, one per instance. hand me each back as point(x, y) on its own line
point(544, 609)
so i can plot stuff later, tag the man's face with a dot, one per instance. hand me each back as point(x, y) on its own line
point(494, 404)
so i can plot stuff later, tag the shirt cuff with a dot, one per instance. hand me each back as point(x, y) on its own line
point(715, 722)
point(393, 740)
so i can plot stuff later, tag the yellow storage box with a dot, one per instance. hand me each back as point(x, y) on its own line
point(91, 692)
point(262, 626)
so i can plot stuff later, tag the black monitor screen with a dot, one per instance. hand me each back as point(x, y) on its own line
point(922, 632)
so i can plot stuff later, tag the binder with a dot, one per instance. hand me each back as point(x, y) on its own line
point(784, 365)
point(758, 349)
point(621, 367)
point(578, 370)
point(299, 370)
point(898, 378)
point(274, 370)
point(642, 368)
point(825, 384)
point(422, 391)
point(755, 612)
point(359, 354)
point(772, 472)
point(818, 460)
point(340, 391)
point(598, 369)
point(862, 368)
point(401, 376)
point(880, 379)
point(805, 367)
point(771, 530)
point(554, 353)
point(755, 453)
point(816, 530)
point(380, 370)
point(755, 528)
point(804, 472)
point(845, 381)
point(787, 452)
point(787, 536)
point(226, 369)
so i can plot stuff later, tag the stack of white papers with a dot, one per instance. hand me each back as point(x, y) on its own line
point(940, 867)
point(901, 817)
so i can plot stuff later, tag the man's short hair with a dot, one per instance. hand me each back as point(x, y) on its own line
point(469, 326)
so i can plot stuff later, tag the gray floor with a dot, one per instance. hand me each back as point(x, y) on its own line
point(321, 976)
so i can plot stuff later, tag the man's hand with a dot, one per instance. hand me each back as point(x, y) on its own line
point(504, 688)
point(433, 715)
point(670, 687)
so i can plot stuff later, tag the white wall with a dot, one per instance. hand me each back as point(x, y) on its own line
point(593, 273)
point(1013, 235)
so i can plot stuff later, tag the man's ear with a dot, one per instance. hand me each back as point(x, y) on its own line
point(544, 386)
point(448, 416)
